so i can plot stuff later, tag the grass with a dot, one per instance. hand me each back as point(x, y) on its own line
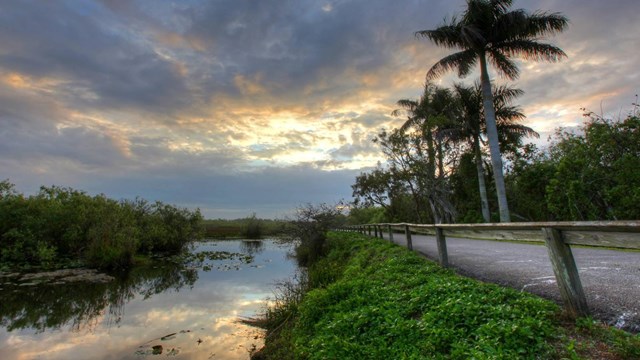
point(369, 299)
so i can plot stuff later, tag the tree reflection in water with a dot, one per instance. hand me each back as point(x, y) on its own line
point(79, 305)
point(252, 247)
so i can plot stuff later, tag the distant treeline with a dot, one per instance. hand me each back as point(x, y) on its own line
point(249, 227)
point(60, 226)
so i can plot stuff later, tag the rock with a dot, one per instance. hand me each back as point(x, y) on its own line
point(157, 349)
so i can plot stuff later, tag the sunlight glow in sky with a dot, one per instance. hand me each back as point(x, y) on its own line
point(255, 106)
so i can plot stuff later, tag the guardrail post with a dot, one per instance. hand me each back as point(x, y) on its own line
point(375, 231)
point(442, 248)
point(390, 233)
point(566, 271)
point(407, 232)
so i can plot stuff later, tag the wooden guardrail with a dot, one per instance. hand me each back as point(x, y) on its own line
point(556, 236)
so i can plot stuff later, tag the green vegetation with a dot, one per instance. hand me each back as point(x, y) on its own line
point(589, 173)
point(60, 226)
point(460, 153)
point(310, 228)
point(369, 299)
point(246, 228)
point(490, 32)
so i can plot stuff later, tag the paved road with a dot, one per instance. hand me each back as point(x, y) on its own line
point(611, 279)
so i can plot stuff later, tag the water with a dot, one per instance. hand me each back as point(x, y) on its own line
point(181, 311)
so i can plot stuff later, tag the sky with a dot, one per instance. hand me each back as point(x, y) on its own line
point(257, 106)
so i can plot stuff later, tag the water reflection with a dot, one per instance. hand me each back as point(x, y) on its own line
point(77, 304)
point(185, 312)
point(252, 247)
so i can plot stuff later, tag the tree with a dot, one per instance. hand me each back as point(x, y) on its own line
point(596, 173)
point(416, 136)
point(373, 189)
point(489, 31)
point(311, 225)
point(471, 127)
point(432, 111)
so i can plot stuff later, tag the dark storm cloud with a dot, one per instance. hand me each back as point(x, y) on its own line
point(83, 46)
point(294, 44)
point(181, 101)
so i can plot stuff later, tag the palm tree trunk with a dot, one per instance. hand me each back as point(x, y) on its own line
point(431, 155)
point(440, 159)
point(484, 201)
point(492, 135)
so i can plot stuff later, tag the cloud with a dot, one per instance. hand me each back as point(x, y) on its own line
point(264, 104)
point(87, 53)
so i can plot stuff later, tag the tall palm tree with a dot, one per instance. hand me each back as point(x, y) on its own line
point(427, 115)
point(472, 127)
point(433, 110)
point(490, 31)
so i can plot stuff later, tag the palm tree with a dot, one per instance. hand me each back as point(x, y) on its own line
point(489, 31)
point(472, 127)
point(431, 112)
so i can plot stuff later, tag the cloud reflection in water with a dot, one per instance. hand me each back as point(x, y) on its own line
point(199, 309)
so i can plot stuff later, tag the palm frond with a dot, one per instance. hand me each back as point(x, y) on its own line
point(501, 5)
point(530, 50)
point(505, 66)
point(455, 134)
point(504, 94)
point(517, 130)
point(509, 114)
point(407, 104)
point(463, 61)
point(544, 23)
point(472, 36)
point(446, 35)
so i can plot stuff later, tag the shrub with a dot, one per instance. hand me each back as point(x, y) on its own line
point(253, 228)
point(59, 224)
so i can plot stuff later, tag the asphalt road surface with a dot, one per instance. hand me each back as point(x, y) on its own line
point(611, 279)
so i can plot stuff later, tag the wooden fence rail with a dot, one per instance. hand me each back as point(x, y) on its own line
point(557, 237)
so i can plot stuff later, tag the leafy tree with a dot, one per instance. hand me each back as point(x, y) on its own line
point(527, 183)
point(489, 31)
point(465, 189)
point(366, 215)
point(596, 175)
point(373, 189)
point(433, 111)
point(311, 225)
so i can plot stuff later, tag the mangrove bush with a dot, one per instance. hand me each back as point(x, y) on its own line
point(61, 225)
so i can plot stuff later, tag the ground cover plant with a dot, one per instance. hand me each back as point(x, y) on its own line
point(370, 299)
